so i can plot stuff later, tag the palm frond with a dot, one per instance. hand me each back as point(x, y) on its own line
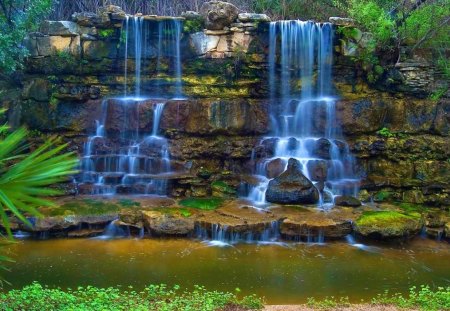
point(23, 183)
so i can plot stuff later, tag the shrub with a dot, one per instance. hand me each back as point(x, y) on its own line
point(36, 297)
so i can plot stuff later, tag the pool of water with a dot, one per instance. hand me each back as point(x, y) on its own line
point(282, 274)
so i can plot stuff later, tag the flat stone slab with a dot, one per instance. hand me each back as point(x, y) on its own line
point(306, 222)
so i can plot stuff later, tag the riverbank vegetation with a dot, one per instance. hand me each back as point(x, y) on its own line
point(161, 297)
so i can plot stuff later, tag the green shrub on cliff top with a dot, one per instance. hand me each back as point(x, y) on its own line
point(17, 19)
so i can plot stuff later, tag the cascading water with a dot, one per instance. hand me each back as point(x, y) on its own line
point(219, 235)
point(303, 113)
point(123, 156)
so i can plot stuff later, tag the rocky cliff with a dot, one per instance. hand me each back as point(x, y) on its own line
point(399, 137)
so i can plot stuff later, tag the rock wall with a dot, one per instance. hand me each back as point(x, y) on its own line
point(400, 138)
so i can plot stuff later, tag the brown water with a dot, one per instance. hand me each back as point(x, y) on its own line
point(280, 274)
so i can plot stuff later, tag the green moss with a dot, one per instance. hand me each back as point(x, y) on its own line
point(202, 203)
point(221, 186)
point(83, 208)
point(382, 196)
point(185, 212)
point(411, 208)
point(129, 203)
point(387, 220)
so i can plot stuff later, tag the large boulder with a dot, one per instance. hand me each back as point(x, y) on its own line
point(218, 14)
point(346, 200)
point(292, 187)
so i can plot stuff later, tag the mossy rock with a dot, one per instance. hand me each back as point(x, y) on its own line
point(87, 207)
point(221, 189)
point(388, 224)
point(202, 203)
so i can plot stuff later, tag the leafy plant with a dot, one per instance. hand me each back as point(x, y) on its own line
point(25, 175)
point(105, 33)
point(36, 297)
point(423, 298)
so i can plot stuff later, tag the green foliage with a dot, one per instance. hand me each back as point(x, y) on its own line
point(385, 132)
point(193, 25)
point(425, 19)
point(202, 203)
point(35, 297)
point(374, 18)
point(17, 18)
point(24, 175)
point(293, 9)
point(105, 33)
point(437, 95)
point(423, 299)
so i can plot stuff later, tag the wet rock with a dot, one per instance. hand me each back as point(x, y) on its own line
point(361, 116)
point(322, 148)
point(162, 224)
point(342, 21)
point(84, 233)
point(441, 123)
point(315, 228)
point(253, 17)
point(311, 224)
point(236, 219)
point(388, 225)
point(318, 170)
point(292, 187)
point(275, 168)
point(346, 200)
point(218, 14)
point(37, 89)
point(131, 217)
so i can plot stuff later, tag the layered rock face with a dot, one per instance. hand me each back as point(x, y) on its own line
point(400, 139)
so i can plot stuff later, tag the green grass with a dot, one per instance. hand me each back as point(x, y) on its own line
point(202, 203)
point(36, 297)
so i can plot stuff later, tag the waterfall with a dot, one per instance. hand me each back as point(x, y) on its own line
point(163, 41)
point(126, 158)
point(303, 112)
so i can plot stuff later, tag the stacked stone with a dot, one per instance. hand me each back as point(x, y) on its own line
point(76, 36)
